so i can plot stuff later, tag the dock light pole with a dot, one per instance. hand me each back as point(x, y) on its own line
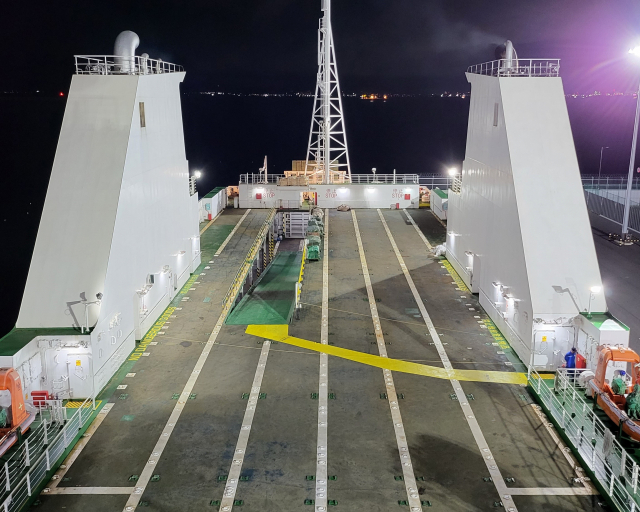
point(626, 238)
point(600, 166)
point(592, 292)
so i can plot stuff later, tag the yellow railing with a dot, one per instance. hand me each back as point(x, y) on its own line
point(238, 280)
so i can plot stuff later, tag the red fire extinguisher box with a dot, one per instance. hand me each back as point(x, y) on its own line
point(581, 362)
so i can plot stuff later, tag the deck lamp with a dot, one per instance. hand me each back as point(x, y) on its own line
point(453, 171)
point(197, 174)
point(592, 292)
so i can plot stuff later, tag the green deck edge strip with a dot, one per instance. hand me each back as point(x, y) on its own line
point(263, 304)
point(576, 453)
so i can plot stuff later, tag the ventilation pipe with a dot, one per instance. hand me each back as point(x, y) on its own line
point(125, 51)
point(510, 55)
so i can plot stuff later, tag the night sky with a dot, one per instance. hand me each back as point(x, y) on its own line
point(395, 46)
point(269, 46)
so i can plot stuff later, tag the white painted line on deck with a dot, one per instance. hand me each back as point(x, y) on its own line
point(551, 491)
point(401, 438)
point(77, 449)
point(92, 490)
point(243, 438)
point(420, 233)
point(485, 451)
point(323, 385)
point(233, 232)
point(147, 472)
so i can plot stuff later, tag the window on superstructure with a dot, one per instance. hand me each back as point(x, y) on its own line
point(495, 114)
point(143, 121)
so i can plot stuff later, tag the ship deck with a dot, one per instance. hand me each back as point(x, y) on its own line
point(214, 417)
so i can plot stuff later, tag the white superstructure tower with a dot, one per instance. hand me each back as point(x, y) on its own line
point(327, 151)
point(119, 230)
point(518, 230)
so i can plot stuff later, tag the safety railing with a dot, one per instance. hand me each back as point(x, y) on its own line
point(609, 182)
point(518, 68)
point(243, 271)
point(432, 181)
point(192, 186)
point(599, 451)
point(257, 179)
point(611, 206)
point(118, 65)
point(28, 466)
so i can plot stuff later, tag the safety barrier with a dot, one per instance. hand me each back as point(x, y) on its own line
point(243, 271)
point(49, 441)
point(600, 453)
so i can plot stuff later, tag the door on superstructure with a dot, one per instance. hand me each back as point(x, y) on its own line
point(80, 378)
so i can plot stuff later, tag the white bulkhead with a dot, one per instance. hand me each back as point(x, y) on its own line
point(119, 230)
point(518, 230)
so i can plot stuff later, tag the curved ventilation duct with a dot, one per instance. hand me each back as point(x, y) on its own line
point(124, 50)
point(507, 53)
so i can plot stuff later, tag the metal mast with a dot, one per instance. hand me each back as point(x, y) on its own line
point(327, 138)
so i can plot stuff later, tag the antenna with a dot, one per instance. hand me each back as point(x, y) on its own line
point(263, 169)
point(327, 137)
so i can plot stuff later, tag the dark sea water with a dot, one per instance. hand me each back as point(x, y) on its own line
point(229, 135)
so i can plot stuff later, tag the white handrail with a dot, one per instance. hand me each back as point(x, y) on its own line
point(518, 68)
point(113, 65)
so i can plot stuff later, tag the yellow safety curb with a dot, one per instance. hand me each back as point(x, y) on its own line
point(281, 333)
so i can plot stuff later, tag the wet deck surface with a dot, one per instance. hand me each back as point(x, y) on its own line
point(362, 449)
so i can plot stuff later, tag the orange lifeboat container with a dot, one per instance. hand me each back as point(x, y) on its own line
point(16, 413)
point(614, 405)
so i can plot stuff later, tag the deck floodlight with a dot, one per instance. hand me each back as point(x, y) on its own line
point(635, 51)
point(197, 174)
point(453, 171)
point(595, 289)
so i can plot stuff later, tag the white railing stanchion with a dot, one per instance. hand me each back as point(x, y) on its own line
point(8, 476)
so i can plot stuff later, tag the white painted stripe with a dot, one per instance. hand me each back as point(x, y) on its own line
point(233, 232)
point(323, 385)
point(77, 449)
point(420, 233)
point(243, 438)
point(148, 470)
point(485, 451)
point(401, 438)
point(91, 490)
point(552, 491)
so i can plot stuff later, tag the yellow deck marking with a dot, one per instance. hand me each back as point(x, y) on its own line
point(76, 404)
point(281, 333)
point(463, 287)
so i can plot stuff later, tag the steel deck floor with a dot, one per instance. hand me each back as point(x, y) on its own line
point(362, 452)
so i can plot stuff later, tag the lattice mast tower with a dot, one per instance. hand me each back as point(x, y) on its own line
point(327, 150)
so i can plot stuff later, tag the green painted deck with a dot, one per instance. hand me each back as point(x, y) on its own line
point(272, 300)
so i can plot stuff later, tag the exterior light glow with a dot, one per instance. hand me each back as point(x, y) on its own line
point(197, 174)
point(453, 171)
point(635, 51)
point(595, 289)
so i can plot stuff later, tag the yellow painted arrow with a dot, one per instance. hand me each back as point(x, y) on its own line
point(281, 333)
